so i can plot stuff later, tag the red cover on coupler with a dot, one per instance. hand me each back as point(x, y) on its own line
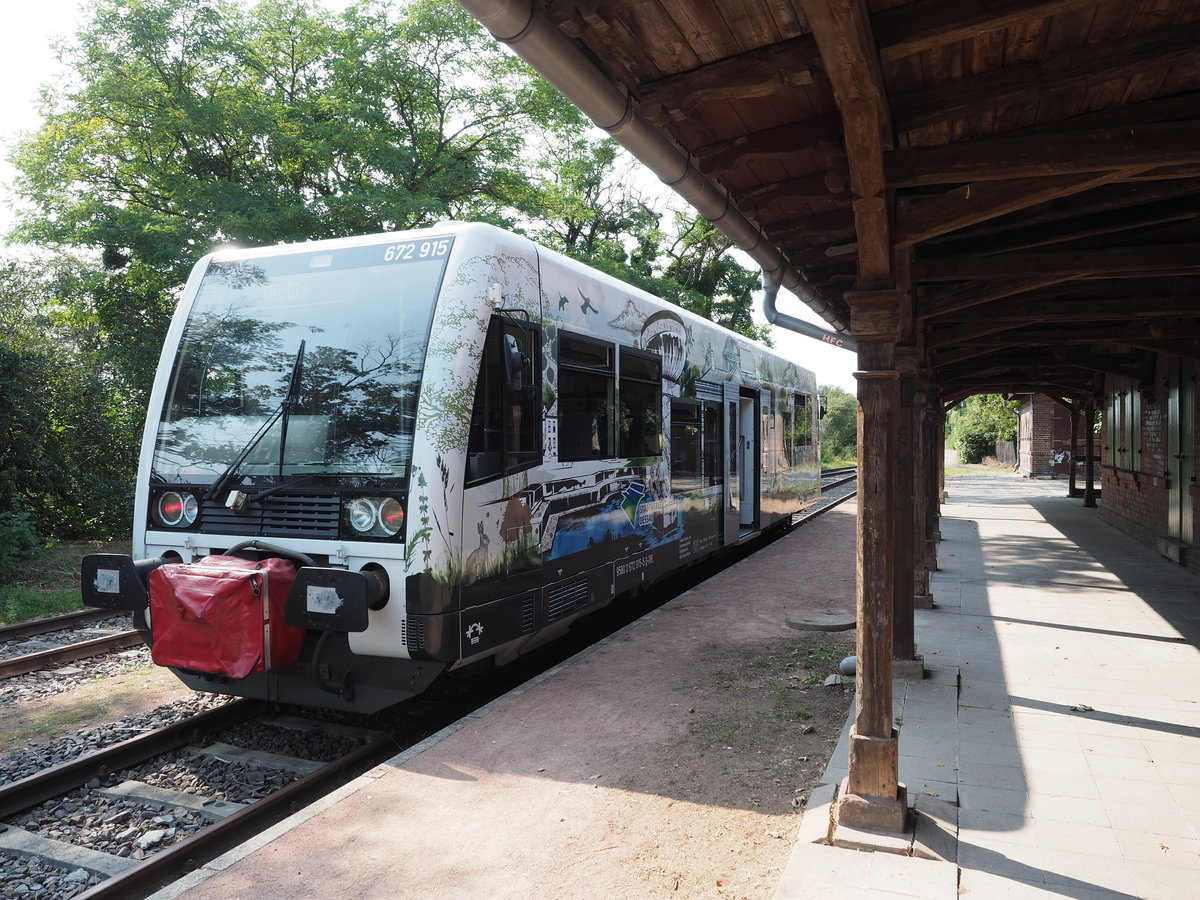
point(223, 615)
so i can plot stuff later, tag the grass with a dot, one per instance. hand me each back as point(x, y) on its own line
point(48, 583)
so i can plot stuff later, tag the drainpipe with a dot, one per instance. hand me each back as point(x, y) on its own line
point(523, 26)
point(791, 323)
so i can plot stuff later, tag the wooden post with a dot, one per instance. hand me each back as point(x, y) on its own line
point(1071, 492)
point(871, 795)
point(923, 492)
point(906, 527)
point(1089, 434)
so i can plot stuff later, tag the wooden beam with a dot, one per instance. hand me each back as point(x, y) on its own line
point(929, 24)
point(919, 219)
point(1181, 206)
point(1035, 156)
point(957, 336)
point(1007, 363)
point(758, 73)
point(1086, 309)
point(838, 222)
point(1001, 386)
point(820, 186)
point(1127, 335)
point(1055, 76)
point(1156, 260)
point(942, 301)
point(842, 30)
point(1105, 200)
point(781, 141)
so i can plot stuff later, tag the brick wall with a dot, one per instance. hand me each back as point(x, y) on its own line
point(1044, 438)
point(1136, 502)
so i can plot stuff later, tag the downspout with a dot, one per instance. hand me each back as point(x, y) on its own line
point(523, 26)
point(791, 323)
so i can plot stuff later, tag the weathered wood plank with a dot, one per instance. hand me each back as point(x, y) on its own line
point(915, 27)
point(843, 34)
point(1033, 156)
point(759, 73)
point(1061, 74)
point(791, 139)
point(920, 219)
point(1174, 259)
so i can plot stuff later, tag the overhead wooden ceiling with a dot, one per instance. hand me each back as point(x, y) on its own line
point(1026, 173)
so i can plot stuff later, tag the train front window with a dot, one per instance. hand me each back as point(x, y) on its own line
point(339, 334)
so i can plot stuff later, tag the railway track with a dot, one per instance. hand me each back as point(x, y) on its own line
point(837, 486)
point(116, 775)
point(18, 659)
point(114, 779)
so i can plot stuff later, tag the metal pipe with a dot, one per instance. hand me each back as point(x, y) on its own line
point(523, 26)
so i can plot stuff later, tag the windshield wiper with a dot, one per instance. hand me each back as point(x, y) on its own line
point(281, 412)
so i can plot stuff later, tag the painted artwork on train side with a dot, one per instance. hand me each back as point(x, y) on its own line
point(588, 503)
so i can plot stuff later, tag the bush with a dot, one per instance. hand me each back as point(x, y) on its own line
point(18, 542)
point(973, 443)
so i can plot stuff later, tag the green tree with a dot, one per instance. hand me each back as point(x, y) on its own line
point(839, 426)
point(68, 428)
point(974, 426)
point(194, 122)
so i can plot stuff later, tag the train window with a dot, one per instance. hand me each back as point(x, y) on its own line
point(641, 403)
point(586, 394)
point(712, 471)
point(686, 459)
point(802, 424)
point(506, 420)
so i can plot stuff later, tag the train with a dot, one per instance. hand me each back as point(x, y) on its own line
point(373, 460)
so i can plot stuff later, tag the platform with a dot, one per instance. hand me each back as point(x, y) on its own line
point(1053, 751)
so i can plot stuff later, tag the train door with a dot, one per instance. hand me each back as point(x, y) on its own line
point(733, 490)
point(748, 457)
point(1181, 439)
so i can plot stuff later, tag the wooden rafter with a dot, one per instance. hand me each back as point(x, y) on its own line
point(1034, 156)
point(1125, 262)
point(1066, 73)
point(930, 24)
point(920, 219)
point(842, 30)
point(758, 73)
point(779, 141)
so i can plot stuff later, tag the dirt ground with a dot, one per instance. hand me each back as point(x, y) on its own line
point(40, 721)
point(674, 760)
point(671, 761)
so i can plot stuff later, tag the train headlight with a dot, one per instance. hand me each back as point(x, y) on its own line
point(176, 509)
point(374, 517)
point(360, 513)
point(391, 515)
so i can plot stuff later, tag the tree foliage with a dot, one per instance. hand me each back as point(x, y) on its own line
point(194, 122)
point(191, 123)
point(66, 422)
point(974, 426)
point(839, 427)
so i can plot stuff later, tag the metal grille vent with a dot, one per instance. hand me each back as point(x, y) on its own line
point(413, 634)
point(280, 515)
point(527, 616)
point(564, 599)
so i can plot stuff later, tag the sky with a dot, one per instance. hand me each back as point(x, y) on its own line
point(27, 61)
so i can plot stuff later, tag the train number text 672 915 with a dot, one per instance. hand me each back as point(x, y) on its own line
point(415, 250)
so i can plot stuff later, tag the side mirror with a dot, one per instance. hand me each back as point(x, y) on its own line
point(515, 363)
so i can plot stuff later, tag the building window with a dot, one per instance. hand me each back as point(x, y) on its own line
point(506, 420)
point(586, 389)
point(641, 403)
point(1123, 424)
